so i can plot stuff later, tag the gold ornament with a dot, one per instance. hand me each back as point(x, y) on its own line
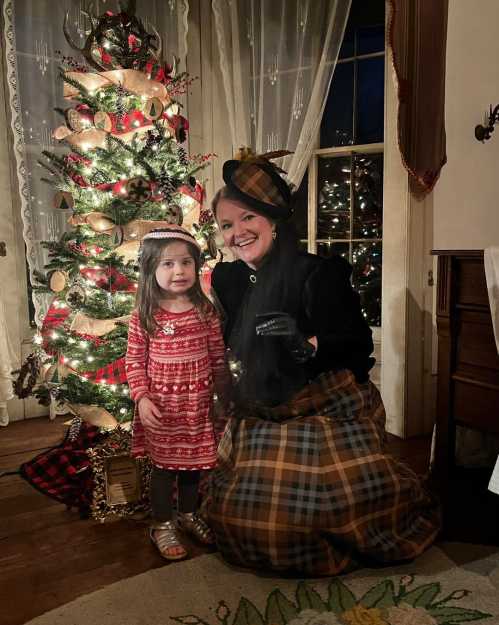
point(102, 121)
point(63, 200)
point(99, 222)
point(58, 280)
point(153, 109)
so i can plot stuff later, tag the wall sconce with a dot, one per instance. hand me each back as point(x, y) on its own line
point(482, 133)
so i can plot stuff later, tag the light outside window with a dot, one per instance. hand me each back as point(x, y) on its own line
point(344, 185)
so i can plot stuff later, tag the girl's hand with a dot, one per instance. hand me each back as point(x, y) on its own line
point(149, 413)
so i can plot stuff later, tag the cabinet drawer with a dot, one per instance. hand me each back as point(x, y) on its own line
point(471, 287)
point(475, 343)
point(476, 405)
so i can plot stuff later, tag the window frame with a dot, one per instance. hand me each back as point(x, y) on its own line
point(343, 150)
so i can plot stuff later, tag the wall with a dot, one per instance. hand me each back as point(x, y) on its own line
point(466, 198)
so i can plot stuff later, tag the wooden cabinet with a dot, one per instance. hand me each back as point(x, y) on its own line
point(468, 365)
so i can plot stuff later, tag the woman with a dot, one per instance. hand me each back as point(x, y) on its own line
point(302, 482)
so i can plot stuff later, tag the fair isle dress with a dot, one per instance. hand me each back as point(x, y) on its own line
point(176, 368)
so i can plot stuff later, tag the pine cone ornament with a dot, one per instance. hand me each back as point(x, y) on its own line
point(167, 186)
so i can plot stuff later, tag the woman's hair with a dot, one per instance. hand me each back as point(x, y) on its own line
point(225, 193)
point(150, 294)
point(273, 291)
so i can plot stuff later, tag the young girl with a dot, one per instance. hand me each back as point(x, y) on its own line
point(174, 359)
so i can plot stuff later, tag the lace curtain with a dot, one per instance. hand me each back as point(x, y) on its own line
point(277, 59)
point(34, 42)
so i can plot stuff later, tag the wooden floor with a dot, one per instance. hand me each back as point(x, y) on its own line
point(49, 556)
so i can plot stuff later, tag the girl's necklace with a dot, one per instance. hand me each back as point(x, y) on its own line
point(169, 328)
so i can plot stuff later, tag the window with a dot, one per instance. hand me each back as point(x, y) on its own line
point(344, 185)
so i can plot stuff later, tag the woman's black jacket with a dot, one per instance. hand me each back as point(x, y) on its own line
point(322, 301)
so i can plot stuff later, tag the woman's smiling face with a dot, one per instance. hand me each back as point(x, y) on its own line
point(247, 233)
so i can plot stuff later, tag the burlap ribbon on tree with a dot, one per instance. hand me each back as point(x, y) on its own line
point(94, 415)
point(83, 324)
point(131, 80)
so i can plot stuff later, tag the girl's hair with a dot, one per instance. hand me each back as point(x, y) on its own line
point(150, 294)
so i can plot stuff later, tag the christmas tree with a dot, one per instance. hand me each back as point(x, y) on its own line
point(126, 173)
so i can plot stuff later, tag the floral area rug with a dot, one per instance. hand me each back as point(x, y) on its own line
point(439, 588)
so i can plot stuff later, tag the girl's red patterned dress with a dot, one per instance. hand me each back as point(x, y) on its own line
point(176, 369)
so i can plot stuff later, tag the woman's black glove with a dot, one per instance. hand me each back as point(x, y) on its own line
point(282, 324)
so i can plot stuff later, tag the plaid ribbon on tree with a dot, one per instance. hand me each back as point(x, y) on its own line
point(113, 373)
point(56, 315)
point(63, 472)
point(108, 278)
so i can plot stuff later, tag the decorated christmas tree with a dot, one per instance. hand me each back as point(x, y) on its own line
point(125, 173)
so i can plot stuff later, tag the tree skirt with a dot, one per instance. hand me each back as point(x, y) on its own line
point(207, 591)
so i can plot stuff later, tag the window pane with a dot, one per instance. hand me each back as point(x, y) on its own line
point(326, 250)
point(370, 100)
point(333, 198)
point(371, 39)
point(337, 121)
point(347, 49)
point(300, 215)
point(364, 32)
point(366, 279)
point(368, 196)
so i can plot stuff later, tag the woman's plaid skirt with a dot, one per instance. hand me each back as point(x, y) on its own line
point(307, 486)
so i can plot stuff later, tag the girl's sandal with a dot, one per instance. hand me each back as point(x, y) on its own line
point(164, 537)
point(195, 525)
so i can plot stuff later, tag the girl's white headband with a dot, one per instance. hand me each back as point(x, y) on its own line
point(172, 233)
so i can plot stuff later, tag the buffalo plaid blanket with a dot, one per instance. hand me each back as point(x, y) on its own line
point(64, 472)
point(307, 486)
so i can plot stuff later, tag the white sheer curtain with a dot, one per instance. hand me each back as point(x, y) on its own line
point(34, 39)
point(277, 59)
